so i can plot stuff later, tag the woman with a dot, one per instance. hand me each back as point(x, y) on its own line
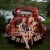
point(32, 27)
point(21, 30)
point(30, 21)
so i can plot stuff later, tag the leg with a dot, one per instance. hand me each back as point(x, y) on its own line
point(31, 38)
point(25, 40)
point(29, 34)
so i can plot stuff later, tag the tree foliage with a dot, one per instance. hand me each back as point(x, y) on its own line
point(11, 4)
point(2, 24)
point(48, 8)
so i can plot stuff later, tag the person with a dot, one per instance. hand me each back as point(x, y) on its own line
point(32, 27)
point(23, 28)
point(20, 29)
point(30, 21)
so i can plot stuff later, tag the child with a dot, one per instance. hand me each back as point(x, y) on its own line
point(22, 27)
point(31, 23)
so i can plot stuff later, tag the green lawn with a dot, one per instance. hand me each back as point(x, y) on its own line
point(5, 45)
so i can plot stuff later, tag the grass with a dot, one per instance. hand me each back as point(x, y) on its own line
point(5, 45)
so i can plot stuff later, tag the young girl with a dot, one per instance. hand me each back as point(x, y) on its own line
point(31, 23)
point(22, 28)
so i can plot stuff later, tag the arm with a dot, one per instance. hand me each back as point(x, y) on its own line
point(20, 27)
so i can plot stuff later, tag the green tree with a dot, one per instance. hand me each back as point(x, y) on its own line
point(48, 9)
point(2, 24)
point(12, 4)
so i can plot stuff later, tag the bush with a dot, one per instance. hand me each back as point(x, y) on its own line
point(2, 24)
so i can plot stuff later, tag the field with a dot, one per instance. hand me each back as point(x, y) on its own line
point(5, 45)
